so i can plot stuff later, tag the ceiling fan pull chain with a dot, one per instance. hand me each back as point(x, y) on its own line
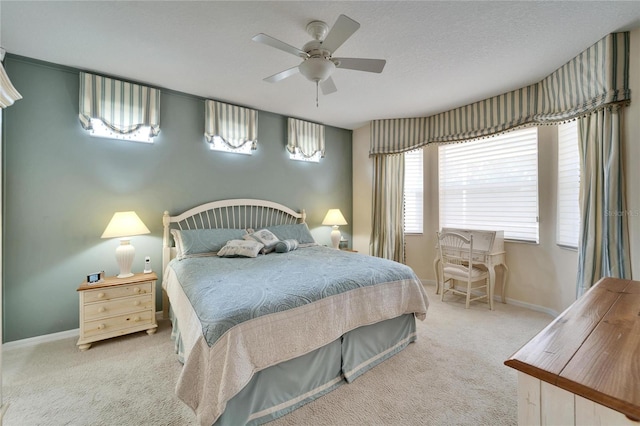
point(317, 104)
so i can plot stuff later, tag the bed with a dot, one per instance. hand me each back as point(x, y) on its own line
point(286, 322)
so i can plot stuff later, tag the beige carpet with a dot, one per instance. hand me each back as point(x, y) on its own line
point(453, 374)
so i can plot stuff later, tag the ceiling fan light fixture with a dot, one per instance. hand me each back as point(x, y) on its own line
point(317, 69)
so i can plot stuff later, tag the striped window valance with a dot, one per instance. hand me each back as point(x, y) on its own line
point(305, 138)
point(597, 77)
point(230, 124)
point(122, 106)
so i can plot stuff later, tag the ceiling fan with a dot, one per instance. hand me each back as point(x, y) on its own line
point(318, 62)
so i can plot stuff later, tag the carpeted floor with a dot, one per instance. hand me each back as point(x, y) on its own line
point(453, 375)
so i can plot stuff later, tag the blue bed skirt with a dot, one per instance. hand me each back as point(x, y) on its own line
point(280, 389)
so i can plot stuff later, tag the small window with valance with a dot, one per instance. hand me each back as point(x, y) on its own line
point(305, 141)
point(118, 109)
point(230, 128)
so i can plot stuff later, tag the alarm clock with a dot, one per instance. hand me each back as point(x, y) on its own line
point(95, 277)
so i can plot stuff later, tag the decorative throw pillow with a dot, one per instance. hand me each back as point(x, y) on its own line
point(297, 231)
point(266, 237)
point(203, 242)
point(240, 248)
point(286, 246)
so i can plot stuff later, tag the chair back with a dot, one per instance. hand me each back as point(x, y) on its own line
point(455, 249)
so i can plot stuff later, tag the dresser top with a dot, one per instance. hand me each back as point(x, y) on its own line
point(114, 281)
point(592, 349)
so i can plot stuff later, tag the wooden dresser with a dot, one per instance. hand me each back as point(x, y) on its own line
point(584, 367)
point(117, 306)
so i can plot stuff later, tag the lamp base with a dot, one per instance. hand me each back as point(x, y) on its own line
point(124, 256)
point(130, 274)
point(335, 237)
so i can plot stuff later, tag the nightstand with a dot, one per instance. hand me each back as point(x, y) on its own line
point(117, 306)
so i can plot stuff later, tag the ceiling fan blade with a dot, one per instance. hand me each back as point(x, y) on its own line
point(341, 31)
point(282, 75)
point(360, 64)
point(328, 86)
point(274, 42)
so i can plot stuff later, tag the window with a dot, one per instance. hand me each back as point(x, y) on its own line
point(492, 184)
point(230, 128)
point(99, 129)
point(413, 192)
point(299, 156)
point(218, 144)
point(568, 213)
point(117, 109)
point(305, 140)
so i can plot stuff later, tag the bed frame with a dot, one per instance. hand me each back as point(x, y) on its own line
point(294, 382)
point(242, 213)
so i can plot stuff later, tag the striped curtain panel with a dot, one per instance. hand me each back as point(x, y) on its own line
point(8, 93)
point(597, 77)
point(603, 250)
point(123, 107)
point(387, 234)
point(233, 125)
point(305, 137)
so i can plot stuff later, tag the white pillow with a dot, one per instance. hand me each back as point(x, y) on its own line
point(266, 237)
point(241, 248)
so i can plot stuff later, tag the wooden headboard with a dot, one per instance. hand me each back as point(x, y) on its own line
point(234, 214)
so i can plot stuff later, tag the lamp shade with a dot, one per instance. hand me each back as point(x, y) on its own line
point(125, 224)
point(334, 217)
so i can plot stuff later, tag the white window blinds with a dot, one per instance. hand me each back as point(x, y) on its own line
point(568, 210)
point(491, 184)
point(230, 127)
point(413, 192)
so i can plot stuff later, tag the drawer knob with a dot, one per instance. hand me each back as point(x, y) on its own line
point(136, 319)
point(101, 309)
point(102, 327)
point(100, 295)
point(136, 289)
point(136, 303)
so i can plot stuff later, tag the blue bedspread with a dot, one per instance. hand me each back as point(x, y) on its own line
point(228, 291)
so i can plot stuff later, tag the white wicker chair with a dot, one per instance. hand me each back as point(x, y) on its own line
point(456, 260)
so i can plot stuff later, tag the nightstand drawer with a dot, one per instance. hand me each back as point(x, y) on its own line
point(122, 322)
point(115, 292)
point(118, 307)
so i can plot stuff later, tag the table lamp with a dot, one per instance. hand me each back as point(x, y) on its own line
point(334, 218)
point(124, 225)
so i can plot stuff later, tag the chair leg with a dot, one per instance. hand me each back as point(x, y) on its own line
point(468, 294)
point(489, 294)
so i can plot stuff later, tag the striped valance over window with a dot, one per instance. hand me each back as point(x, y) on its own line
point(230, 124)
point(305, 138)
point(597, 77)
point(122, 106)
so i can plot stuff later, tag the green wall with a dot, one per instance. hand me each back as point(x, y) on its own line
point(61, 187)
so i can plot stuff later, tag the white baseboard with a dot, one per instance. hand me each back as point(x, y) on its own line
point(33, 341)
point(509, 301)
point(531, 306)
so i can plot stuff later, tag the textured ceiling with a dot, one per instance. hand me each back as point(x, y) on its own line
point(439, 54)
